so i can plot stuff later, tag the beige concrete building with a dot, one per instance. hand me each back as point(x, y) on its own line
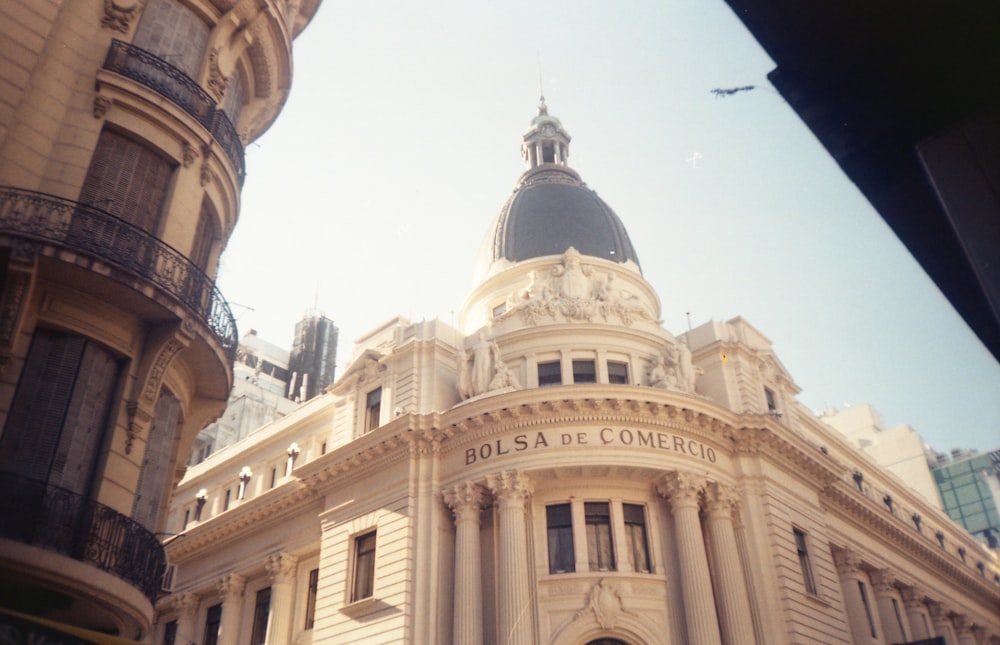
point(122, 130)
point(562, 469)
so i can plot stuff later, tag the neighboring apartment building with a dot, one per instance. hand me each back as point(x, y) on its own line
point(562, 469)
point(122, 132)
point(969, 484)
point(899, 449)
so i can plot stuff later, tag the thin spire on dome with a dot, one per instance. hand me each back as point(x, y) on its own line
point(542, 109)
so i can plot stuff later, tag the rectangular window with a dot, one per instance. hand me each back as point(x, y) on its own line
point(225, 500)
point(170, 633)
point(617, 373)
point(260, 612)
point(213, 619)
point(559, 523)
point(364, 567)
point(804, 563)
point(863, 590)
point(635, 533)
point(549, 373)
point(899, 616)
point(311, 592)
point(373, 409)
point(274, 476)
point(584, 372)
point(772, 403)
point(187, 518)
point(600, 551)
point(322, 448)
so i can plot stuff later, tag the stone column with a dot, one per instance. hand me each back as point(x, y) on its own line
point(466, 502)
point(186, 606)
point(861, 619)
point(683, 491)
point(514, 621)
point(734, 604)
point(882, 585)
point(963, 629)
point(941, 623)
point(914, 603)
point(231, 591)
point(281, 569)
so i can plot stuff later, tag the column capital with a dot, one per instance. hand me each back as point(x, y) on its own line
point(913, 598)
point(937, 611)
point(847, 561)
point(963, 626)
point(231, 586)
point(680, 488)
point(720, 500)
point(465, 500)
point(281, 567)
point(185, 602)
point(511, 487)
point(883, 582)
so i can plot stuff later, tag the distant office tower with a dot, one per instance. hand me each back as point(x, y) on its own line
point(122, 133)
point(313, 359)
point(970, 490)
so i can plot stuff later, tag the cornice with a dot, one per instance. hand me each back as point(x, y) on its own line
point(869, 517)
point(268, 508)
point(760, 436)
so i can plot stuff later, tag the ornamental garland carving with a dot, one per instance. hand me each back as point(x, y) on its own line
point(573, 291)
point(101, 106)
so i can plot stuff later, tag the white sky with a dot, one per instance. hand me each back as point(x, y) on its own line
point(400, 141)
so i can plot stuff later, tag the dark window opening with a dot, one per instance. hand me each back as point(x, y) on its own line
point(311, 592)
point(549, 374)
point(213, 620)
point(373, 409)
point(600, 550)
point(635, 533)
point(617, 373)
point(261, 609)
point(364, 567)
point(804, 563)
point(584, 372)
point(559, 524)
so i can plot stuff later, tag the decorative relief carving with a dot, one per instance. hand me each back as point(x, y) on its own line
point(572, 291)
point(101, 106)
point(160, 364)
point(118, 14)
point(720, 500)
point(189, 154)
point(217, 81)
point(185, 603)
point(882, 581)
point(137, 417)
point(606, 605)
point(207, 176)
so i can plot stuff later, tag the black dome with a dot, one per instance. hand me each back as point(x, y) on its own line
point(550, 211)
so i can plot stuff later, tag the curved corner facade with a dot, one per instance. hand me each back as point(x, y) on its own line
point(122, 131)
point(562, 469)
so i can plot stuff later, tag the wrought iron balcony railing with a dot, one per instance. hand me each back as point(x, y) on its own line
point(58, 519)
point(100, 234)
point(173, 84)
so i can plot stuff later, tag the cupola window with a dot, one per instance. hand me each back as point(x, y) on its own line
point(549, 373)
point(584, 372)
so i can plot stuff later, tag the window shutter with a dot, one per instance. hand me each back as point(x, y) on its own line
point(174, 33)
point(155, 465)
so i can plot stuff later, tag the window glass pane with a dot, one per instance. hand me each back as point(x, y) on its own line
point(635, 530)
point(260, 613)
point(584, 372)
point(373, 409)
point(364, 567)
point(617, 373)
point(549, 373)
point(213, 618)
point(559, 523)
point(311, 598)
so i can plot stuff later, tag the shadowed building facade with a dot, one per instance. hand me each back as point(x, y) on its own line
point(562, 469)
point(122, 129)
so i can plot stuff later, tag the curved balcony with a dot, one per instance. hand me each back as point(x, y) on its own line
point(60, 520)
point(163, 78)
point(100, 234)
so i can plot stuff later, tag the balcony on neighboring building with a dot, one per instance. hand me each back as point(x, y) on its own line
point(56, 519)
point(165, 79)
point(97, 233)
